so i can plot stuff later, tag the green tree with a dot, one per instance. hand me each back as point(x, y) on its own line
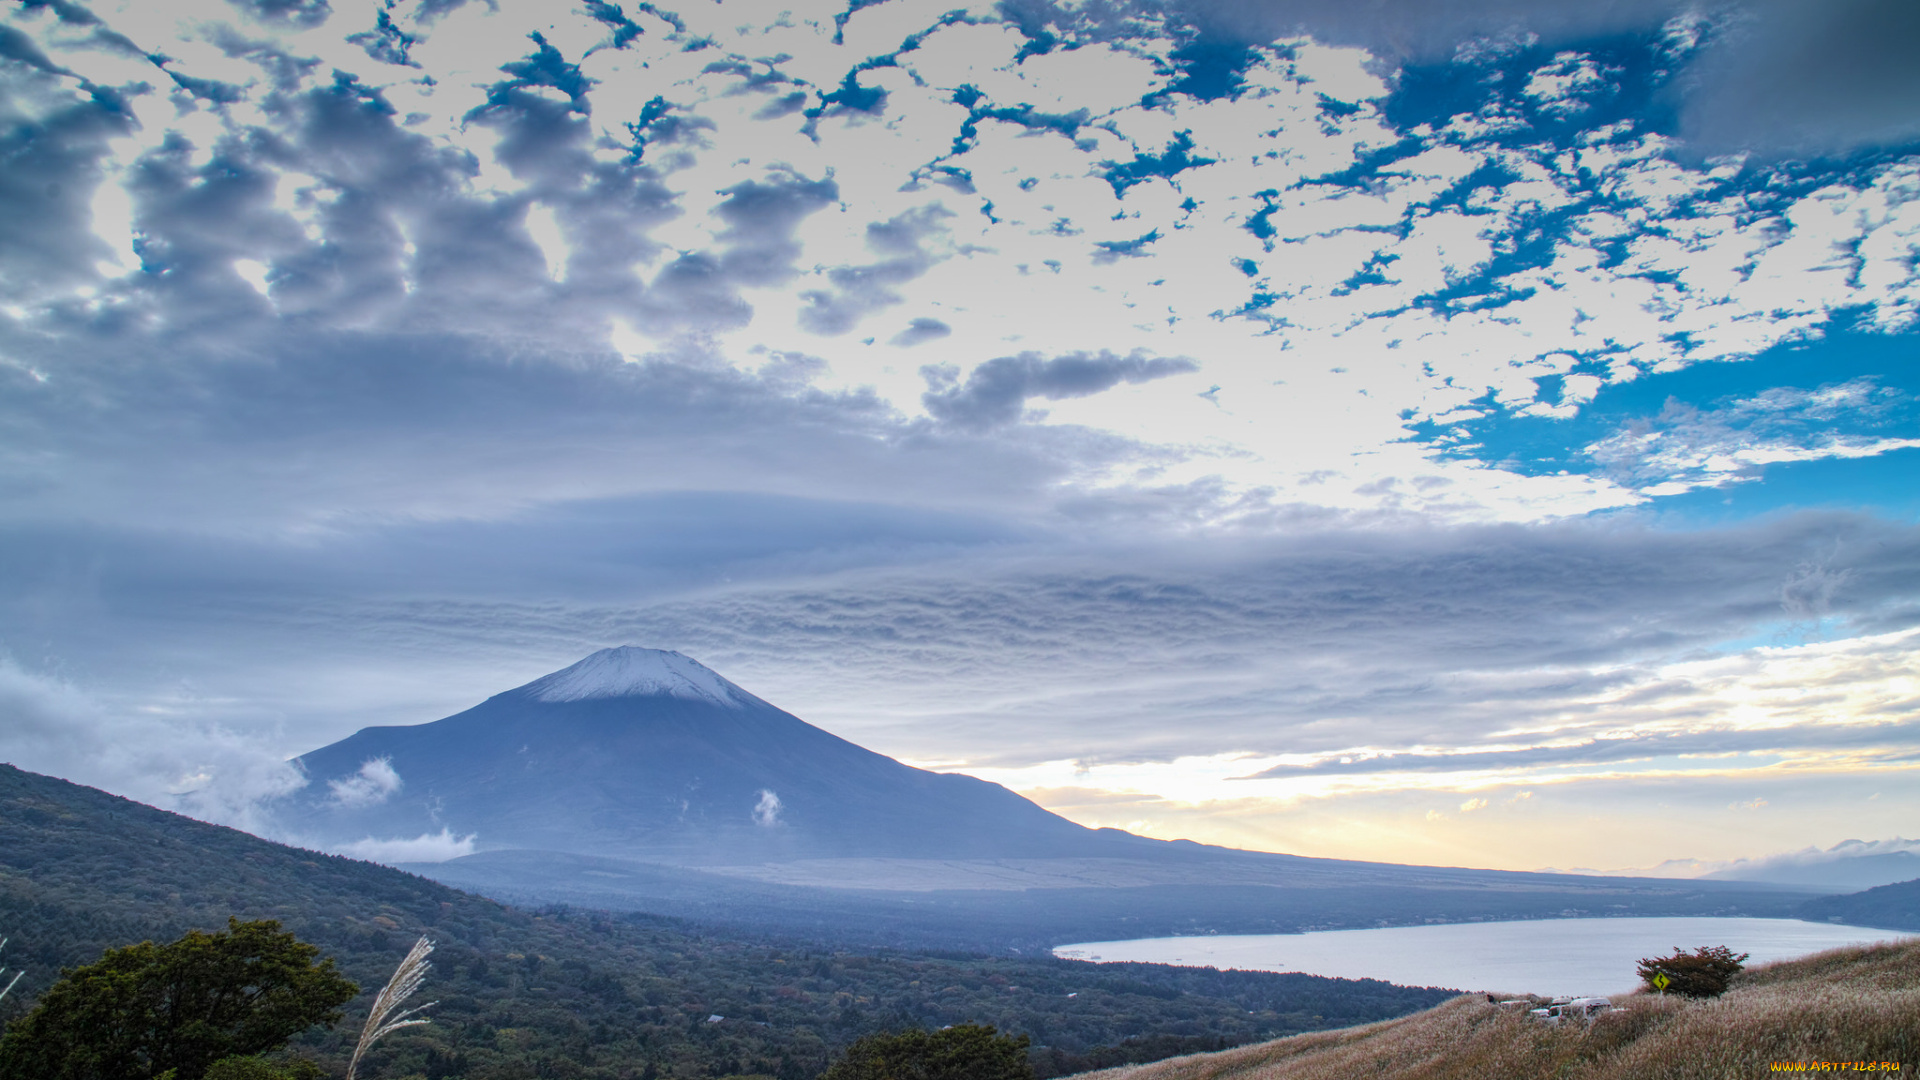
point(254, 1068)
point(962, 1052)
point(1703, 973)
point(143, 1010)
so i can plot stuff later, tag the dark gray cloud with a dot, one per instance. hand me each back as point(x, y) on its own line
point(920, 330)
point(858, 291)
point(429, 10)
point(302, 13)
point(17, 46)
point(282, 429)
point(962, 637)
point(1304, 645)
point(70, 15)
point(1773, 75)
point(1415, 29)
point(392, 233)
point(995, 393)
point(1809, 79)
point(50, 164)
point(761, 217)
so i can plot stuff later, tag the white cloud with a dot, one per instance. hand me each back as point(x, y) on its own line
point(766, 812)
point(544, 227)
point(1338, 272)
point(425, 848)
point(372, 785)
point(1684, 447)
point(254, 272)
point(158, 751)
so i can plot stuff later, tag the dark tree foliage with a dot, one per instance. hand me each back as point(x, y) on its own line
point(255, 1068)
point(144, 1010)
point(1703, 973)
point(582, 995)
point(1052, 1061)
point(1889, 907)
point(961, 1052)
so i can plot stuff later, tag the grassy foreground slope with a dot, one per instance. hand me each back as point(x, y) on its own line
point(1847, 1005)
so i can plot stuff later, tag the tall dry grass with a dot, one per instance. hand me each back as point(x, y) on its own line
point(7, 989)
point(386, 1015)
point(1846, 1005)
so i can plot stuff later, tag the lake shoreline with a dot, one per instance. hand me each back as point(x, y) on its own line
point(1549, 956)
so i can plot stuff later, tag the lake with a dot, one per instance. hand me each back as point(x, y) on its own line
point(1540, 956)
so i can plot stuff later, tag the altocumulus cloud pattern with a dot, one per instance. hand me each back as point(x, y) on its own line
point(1220, 419)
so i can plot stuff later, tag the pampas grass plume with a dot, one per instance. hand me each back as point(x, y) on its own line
point(383, 1019)
point(5, 990)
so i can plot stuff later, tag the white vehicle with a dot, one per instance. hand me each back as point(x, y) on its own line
point(1582, 1009)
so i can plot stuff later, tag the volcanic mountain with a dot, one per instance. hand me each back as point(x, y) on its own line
point(641, 780)
point(644, 754)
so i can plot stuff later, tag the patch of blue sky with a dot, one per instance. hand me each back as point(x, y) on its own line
point(1636, 69)
point(1882, 484)
point(1539, 101)
point(1368, 166)
point(624, 29)
point(1848, 384)
point(852, 96)
point(1025, 115)
point(544, 67)
point(841, 19)
point(1169, 163)
point(1785, 633)
point(1209, 68)
point(387, 43)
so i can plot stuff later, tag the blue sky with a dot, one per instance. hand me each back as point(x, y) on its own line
point(1382, 431)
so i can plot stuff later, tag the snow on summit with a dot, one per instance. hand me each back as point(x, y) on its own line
point(629, 671)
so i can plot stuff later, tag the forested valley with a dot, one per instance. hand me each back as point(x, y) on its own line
point(573, 993)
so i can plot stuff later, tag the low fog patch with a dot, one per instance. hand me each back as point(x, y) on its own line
point(425, 848)
point(374, 784)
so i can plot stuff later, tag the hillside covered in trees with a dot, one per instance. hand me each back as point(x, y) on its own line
point(1888, 907)
point(589, 995)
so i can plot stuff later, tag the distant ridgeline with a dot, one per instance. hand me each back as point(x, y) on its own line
point(1888, 907)
point(591, 996)
point(641, 780)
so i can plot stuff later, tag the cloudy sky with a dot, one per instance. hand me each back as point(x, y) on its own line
point(1477, 433)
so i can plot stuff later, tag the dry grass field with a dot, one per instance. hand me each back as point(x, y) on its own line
point(1838, 1007)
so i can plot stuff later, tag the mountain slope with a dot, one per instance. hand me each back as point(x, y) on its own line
point(1845, 1006)
point(646, 754)
point(569, 784)
point(1286, 897)
point(584, 996)
point(1889, 907)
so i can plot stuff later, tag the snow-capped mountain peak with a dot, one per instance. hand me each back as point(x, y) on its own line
point(630, 670)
